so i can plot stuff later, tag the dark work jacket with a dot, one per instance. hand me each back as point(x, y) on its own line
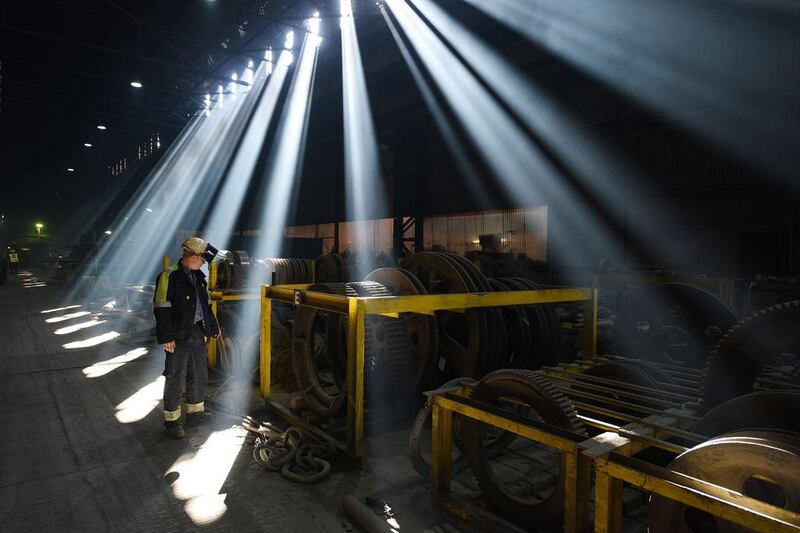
point(174, 304)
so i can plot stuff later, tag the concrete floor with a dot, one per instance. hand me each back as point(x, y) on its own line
point(82, 447)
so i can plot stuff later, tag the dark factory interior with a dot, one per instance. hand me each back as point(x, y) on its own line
point(391, 266)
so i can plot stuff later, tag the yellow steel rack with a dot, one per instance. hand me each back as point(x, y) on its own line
point(607, 455)
point(357, 308)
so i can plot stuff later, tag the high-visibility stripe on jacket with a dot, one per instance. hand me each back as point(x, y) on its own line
point(162, 285)
point(174, 304)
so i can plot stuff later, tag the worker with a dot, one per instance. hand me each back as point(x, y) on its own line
point(184, 321)
point(13, 262)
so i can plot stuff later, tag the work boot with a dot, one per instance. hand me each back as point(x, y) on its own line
point(197, 419)
point(175, 431)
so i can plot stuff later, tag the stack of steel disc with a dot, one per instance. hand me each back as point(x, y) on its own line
point(673, 323)
point(232, 269)
point(319, 347)
point(329, 268)
point(540, 324)
point(422, 330)
point(761, 464)
point(284, 271)
point(470, 343)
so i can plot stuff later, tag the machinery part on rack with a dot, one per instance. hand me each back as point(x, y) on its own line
point(651, 370)
point(518, 328)
point(281, 335)
point(545, 324)
point(223, 263)
point(329, 268)
point(498, 336)
point(673, 344)
point(230, 353)
point(774, 410)
point(421, 462)
point(463, 337)
point(782, 373)
point(552, 322)
point(239, 351)
point(336, 324)
point(423, 330)
point(622, 372)
point(314, 355)
point(675, 323)
point(388, 363)
point(544, 404)
point(281, 271)
point(746, 348)
point(290, 454)
point(497, 265)
point(759, 464)
point(283, 370)
point(233, 268)
point(538, 322)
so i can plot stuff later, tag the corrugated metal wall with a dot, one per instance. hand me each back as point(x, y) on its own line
point(521, 231)
point(376, 235)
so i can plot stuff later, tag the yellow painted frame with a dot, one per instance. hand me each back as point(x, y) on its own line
point(727, 504)
point(357, 309)
point(608, 456)
point(577, 467)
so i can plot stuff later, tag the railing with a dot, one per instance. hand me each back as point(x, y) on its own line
point(357, 308)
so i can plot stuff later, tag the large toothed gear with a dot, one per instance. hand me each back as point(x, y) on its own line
point(773, 410)
point(674, 323)
point(759, 464)
point(743, 351)
point(545, 404)
point(388, 362)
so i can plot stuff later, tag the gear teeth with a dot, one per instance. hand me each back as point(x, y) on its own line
point(724, 362)
point(545, 514)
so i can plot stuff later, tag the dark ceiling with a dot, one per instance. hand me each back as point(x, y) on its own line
point(67, 66)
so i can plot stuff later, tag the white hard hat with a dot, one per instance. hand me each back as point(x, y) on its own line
point(194, 245)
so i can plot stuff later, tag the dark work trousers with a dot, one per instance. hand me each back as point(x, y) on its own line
point(187, 364)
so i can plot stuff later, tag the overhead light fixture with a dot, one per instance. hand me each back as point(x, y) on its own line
point(101, 127)
point(108, 232)
point(87, 145)
point(137, 84)
point(70, 170)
